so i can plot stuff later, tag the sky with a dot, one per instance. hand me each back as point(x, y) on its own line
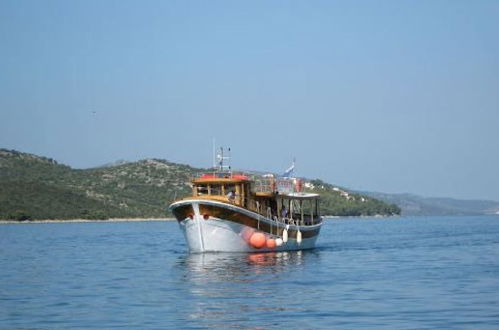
point(389, 96)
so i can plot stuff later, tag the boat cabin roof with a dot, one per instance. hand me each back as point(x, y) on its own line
point(220, 177)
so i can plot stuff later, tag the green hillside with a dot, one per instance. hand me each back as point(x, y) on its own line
point(33, 187)
point(337, 201)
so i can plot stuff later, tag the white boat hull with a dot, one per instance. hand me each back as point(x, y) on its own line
point(216, 234)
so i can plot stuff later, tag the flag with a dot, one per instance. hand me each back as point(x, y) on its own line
point(289, 172)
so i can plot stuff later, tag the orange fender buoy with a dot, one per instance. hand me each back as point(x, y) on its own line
point(271, 243)
point(257, 240)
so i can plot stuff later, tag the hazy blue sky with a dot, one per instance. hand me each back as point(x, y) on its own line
point(392, 96)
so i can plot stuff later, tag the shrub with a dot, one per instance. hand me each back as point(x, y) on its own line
point(19, 215)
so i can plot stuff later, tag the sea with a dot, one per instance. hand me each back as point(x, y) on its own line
point(383, 273)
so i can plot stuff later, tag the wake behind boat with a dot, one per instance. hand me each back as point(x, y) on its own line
point(230, 212)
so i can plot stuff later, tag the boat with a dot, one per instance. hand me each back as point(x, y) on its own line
point(238, 212)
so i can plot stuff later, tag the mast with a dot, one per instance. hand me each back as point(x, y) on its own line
point(214, 154)
point(221, 158)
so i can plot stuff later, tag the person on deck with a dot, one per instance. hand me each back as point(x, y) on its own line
point(284, 212)
point(231, 195)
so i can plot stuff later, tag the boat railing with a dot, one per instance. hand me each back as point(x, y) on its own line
point(281, 185)
point(264, 185)
point(293, 219)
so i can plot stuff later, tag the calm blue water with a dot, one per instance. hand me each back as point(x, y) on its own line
point(435, 272)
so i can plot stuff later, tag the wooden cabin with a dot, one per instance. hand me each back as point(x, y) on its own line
point(263, 196)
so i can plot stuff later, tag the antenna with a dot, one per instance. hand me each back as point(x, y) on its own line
point(221, 158)
point(214, 154)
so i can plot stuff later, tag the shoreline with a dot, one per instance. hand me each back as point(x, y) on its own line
point(38, 221)
point(6, 222)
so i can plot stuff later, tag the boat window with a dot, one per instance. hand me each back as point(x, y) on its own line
point(216, 190)
point(202, 189)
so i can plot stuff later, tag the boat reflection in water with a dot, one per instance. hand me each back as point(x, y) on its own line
point(224, 289)
point(275, 258)
point(240, 266)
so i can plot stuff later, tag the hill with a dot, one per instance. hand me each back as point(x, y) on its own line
point(35, 187)
point(417, 205)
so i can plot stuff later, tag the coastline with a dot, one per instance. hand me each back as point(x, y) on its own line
point(39, 221)
point(347, 217)
point(6, 222)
